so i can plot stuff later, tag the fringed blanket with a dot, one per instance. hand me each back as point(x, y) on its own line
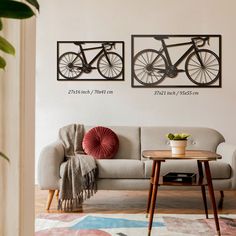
point(78, 181)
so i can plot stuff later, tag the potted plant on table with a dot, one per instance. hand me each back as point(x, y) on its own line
point(178, 142)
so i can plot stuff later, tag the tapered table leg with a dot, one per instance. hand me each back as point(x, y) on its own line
point(204, 200)
point(150, 188)
point(200, 172)
point(154, 194)
point(212, 195)
point(220, 204)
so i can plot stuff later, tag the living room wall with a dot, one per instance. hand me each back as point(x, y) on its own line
point(88, 20)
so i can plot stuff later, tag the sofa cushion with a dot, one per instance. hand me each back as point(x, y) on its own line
point(200, 139)
point(116, 169)
point(101, 143)
point(219, 169)
point(129, 141)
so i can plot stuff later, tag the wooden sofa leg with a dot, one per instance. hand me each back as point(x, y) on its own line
point(220, 204)
point(50, 197)
point(57, 194)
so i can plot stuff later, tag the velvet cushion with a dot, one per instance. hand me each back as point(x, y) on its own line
point(101, 143)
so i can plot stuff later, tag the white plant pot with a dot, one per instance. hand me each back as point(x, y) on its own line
point(178, 147)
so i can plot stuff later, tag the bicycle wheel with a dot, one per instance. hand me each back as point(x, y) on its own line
point(205, 74)
point(149, 67)
point(111, 70)
point(70, 65)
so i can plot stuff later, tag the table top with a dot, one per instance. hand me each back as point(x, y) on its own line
point(189, 155)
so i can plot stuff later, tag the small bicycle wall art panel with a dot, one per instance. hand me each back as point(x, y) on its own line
point(176, 60)
point(90, 60)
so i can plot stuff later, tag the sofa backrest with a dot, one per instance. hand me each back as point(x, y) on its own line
point(200, 139)
point(133, 140)
point(129, 141)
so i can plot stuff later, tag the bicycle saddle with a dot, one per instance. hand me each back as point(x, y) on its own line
point(78, 43)
point(160, 37)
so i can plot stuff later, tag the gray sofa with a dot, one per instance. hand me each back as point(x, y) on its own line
point(130, 171)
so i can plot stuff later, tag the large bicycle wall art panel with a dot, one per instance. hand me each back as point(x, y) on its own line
point(176, 61)
point(90, 60)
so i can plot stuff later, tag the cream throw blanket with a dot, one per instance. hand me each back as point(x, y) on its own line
point(78, 181)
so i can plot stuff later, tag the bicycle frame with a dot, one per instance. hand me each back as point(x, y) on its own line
point(82, 50)
point(165, 50)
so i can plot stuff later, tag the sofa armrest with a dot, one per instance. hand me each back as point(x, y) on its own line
point(49, 163)
point(228, 153)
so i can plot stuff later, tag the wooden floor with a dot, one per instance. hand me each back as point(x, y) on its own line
point(169, 201)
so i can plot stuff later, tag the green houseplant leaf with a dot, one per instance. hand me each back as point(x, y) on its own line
point(4, 156)
point(15, 10)
point(5, 46)
point(2, 63)
point(34, 3)
point(0, 24)
point(177, 136)
point(170, 136)
point(184, 136)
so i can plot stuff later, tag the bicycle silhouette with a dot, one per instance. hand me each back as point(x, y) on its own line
point(202, 66)
point(109, 64)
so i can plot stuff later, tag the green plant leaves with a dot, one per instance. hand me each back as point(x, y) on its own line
point(182, 136)
point(16, 10)
point(5, 46)
point(4, 156)
point(2, 63)
point(177, 137)
point(170, 136)
point(34, 3)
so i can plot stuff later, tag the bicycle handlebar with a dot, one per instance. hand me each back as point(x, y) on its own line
point(108, 45)
point(203, 39)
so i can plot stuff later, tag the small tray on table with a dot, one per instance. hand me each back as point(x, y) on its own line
point(179, 177)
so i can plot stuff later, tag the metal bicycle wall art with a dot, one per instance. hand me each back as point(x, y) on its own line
point(176, 61)
point(90, 60)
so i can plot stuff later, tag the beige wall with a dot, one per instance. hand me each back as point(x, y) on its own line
point(117, 20)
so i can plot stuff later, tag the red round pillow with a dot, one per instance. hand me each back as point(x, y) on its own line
point(101, 143)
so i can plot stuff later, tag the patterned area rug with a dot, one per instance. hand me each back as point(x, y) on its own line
point(131, 225)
